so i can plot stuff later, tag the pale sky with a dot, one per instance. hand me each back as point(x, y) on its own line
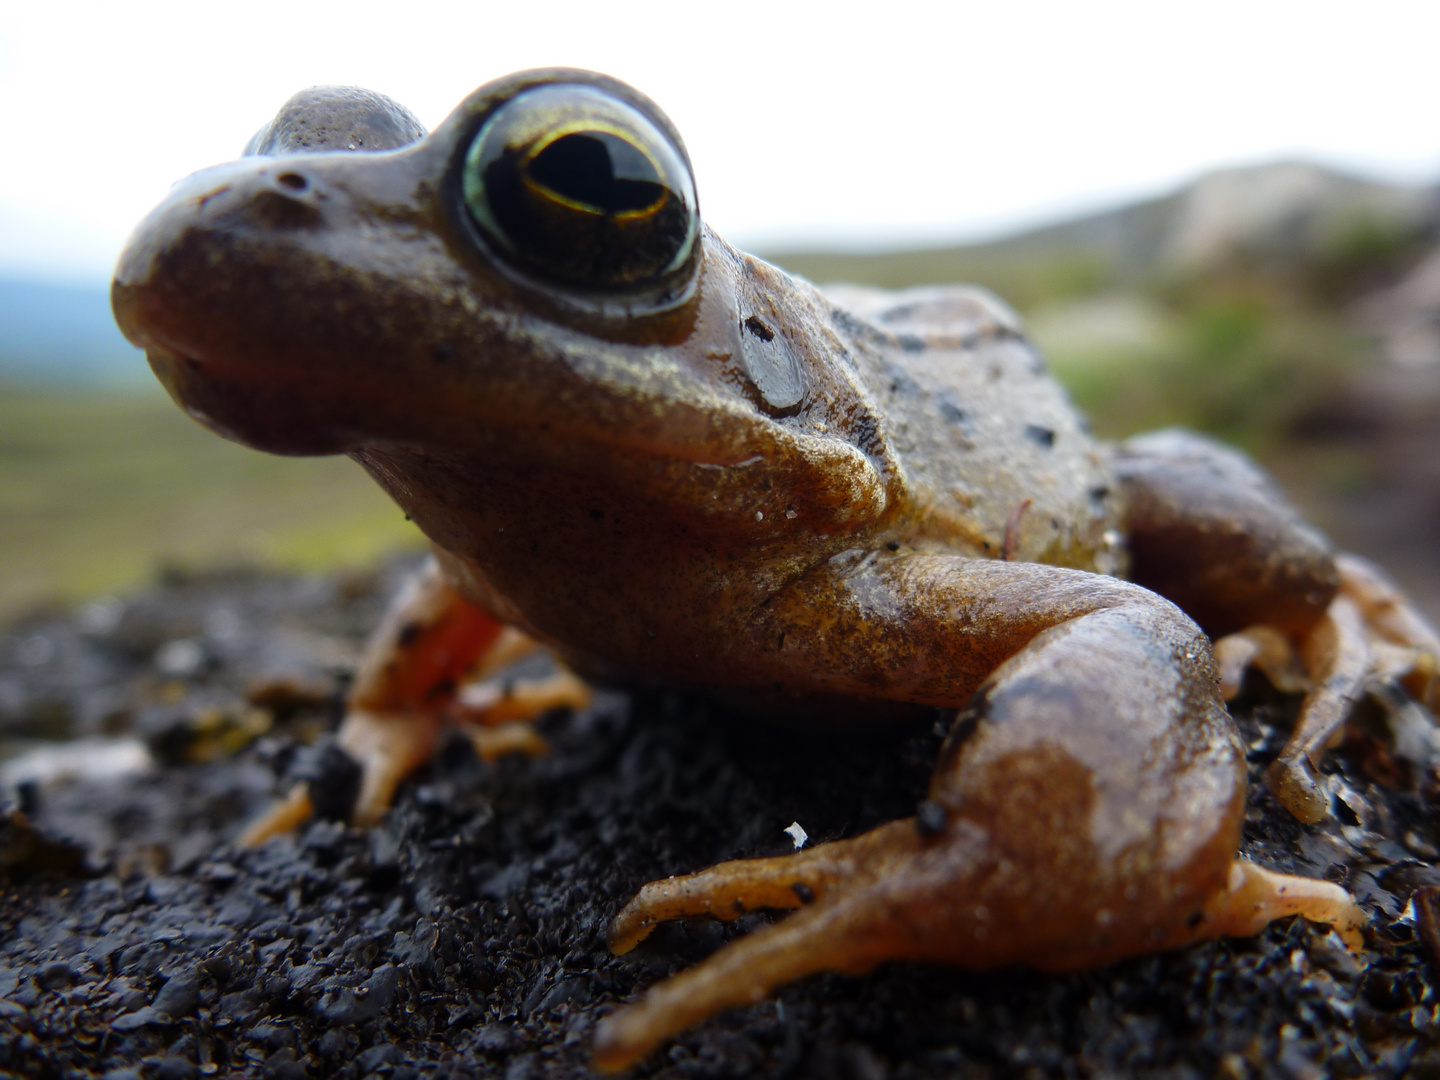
point(817, 124)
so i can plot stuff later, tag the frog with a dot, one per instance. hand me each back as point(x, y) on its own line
point(666, 461)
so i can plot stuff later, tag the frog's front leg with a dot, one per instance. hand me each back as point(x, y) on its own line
point(1210, 531)
point(1086, 806)
point(411, 684)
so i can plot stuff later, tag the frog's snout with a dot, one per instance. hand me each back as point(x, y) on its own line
point(227, 287)
point(191, 239)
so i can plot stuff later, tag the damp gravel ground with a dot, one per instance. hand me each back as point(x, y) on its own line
point(465, 936)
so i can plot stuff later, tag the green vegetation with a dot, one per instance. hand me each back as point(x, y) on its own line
point(98, 490)
point(1235, 363)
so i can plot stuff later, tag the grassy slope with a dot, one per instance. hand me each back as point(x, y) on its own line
point(97, 491)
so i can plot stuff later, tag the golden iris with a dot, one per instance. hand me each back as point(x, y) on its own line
point(574, 185)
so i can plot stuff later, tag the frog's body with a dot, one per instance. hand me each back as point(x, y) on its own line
point(671, 461)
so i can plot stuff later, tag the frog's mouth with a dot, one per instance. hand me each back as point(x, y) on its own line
point(242, 407)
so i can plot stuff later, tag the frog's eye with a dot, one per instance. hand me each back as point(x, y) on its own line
point(577, 186)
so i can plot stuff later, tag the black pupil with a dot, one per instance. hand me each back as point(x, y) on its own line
point(600, 170)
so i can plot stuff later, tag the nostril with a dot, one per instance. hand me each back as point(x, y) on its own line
point(293, 181)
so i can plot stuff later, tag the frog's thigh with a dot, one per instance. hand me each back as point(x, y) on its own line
point(1087, 805)
point(405, 689)
point(1208, 529)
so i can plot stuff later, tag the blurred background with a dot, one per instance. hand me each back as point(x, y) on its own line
point(1221, 215)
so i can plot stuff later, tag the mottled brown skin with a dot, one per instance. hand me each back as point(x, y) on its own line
point(737, 484)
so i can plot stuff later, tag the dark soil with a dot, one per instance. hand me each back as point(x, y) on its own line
point(465, 936)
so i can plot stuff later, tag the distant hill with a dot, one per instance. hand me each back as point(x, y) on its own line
point(64, 335)
point(1288, 212)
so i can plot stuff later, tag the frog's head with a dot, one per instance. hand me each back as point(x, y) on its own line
point(531, 279)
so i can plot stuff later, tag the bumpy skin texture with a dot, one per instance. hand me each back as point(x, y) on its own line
point(851, 506)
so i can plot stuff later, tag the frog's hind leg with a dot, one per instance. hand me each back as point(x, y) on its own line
point(1086, 807)
point(409, 686)
point(1210, 531)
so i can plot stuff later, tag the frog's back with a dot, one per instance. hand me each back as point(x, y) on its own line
point(999, 461)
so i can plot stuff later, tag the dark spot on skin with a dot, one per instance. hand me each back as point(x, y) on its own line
point(1195, 920)
point(911, 343)
point(408, 633)
point(954, 414)
point(901, 383)
point(1040, 436)
point(442, 353)
point(893, 546)
point(930, 818)
point(803, 892)
point(1028, 694)
point(758, 328)
point(293, 181)
point(964, 723)
point(597, 515)
point(856, 327)
point(1099, 494)
point(867, 432)
point(900, 312)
